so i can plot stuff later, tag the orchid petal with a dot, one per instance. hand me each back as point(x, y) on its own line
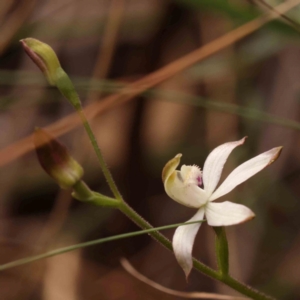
point(183, 241)
point(245, 171)
point(214, 164)
point(182, 186)
point(227, 213)
point(170, 167)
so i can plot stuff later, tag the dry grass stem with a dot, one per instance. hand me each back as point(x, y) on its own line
point(189, 295)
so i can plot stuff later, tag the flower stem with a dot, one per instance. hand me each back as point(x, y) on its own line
point(101, 160)
point(83, 193)
point(59, 251)
point(141, 222)
point(222, 250)
point(228, 280)
point(61, 80)
point(135, 217)
point(245, 289)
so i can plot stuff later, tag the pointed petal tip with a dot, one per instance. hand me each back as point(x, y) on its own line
point(183, 242)
point(186, 264)
point(243, 139)
point(187, 268)
point(187, 274)
point(28, 42)
point(276, 153)
point(170, 167)
point(23, 41)
point(250, 217)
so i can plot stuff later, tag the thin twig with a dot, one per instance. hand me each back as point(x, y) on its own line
point(288, 20)
point(189, 295)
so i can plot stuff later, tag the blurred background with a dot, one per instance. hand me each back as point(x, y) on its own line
point(250, 88)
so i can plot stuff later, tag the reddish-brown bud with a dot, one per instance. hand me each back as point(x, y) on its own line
point(56, 160)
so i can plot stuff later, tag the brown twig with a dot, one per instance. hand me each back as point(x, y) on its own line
point(288, 20)
point(189, 295)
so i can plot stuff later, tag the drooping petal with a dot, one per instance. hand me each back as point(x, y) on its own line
point(214, 164)
point(182, 186)
point(227, 213)
point(183, 241)
point(245, 171)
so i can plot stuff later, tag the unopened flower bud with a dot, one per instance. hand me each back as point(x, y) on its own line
point(45, 58)
point(56, 160)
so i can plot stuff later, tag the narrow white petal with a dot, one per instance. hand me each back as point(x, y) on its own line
point(183, 241)
point(227, 213)
point(214, 164)
point(245, 171)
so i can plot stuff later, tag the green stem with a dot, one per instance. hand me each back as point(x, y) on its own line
point(101, 160)
point(136, 218)
point(236, 285)
point(27, 260)
point(128, 211)
point(245, 289)
point(228, 280)
point(83, 193)
point(222, 250)
point(64, 84)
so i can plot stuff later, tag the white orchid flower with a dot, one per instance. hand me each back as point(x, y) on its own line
point(184, 187)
